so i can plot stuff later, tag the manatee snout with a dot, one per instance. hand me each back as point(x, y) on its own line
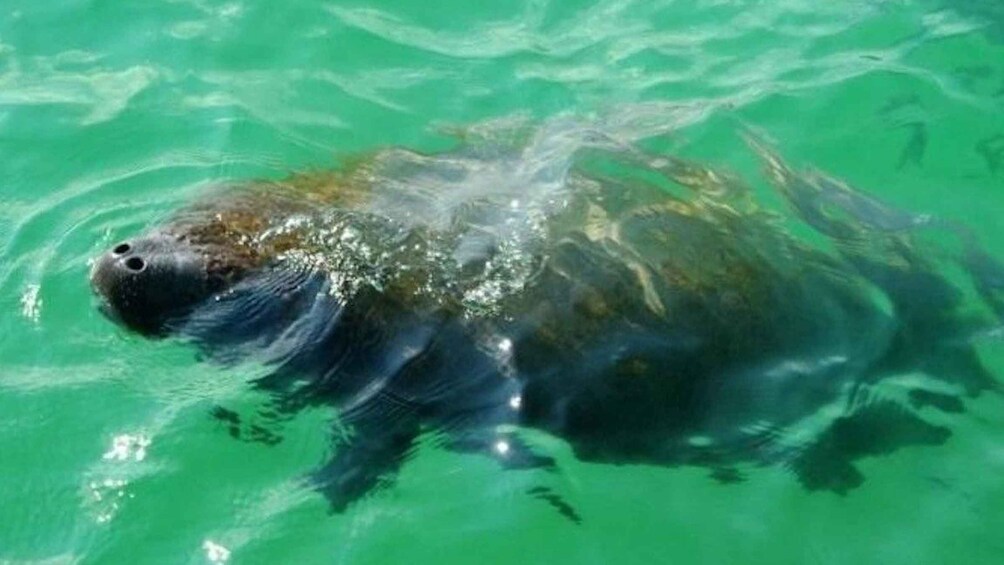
point(145, 282)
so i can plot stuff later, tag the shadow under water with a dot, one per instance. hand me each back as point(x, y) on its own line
point(642, 307)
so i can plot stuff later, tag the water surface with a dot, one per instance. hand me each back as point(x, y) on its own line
point(112, 116)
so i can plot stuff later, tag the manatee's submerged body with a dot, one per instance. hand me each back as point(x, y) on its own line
point(466, 295)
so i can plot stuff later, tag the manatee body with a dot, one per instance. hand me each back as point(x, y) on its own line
point(643, 308)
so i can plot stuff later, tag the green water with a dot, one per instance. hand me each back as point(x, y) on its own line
point(112, 114)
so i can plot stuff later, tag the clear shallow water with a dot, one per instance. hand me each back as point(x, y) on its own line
point(111, 117)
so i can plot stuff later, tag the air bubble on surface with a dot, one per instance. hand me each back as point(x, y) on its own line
point(215, 552)
point(127, 447)
point(31, 303)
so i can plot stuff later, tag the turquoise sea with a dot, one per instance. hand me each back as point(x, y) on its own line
point(113, 114)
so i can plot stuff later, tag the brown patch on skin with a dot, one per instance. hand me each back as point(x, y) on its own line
point(233, 230)
point(226, 243)
point(342, 188)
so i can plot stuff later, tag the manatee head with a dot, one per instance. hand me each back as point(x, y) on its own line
point(148, 282)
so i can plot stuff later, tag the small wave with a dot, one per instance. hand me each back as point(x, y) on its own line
point(102, 93)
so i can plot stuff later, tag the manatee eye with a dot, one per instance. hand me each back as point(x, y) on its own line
point(121, 249)
point(135, 264)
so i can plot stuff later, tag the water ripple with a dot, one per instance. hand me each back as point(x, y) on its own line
point(111, 117)
point(102, 93)
point(491, 41)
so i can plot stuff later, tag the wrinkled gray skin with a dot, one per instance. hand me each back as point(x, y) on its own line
point(474, 294)
point(148, 279)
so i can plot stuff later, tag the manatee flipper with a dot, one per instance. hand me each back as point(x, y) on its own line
point(877, 428)
point(379, 440)
point(268, 319)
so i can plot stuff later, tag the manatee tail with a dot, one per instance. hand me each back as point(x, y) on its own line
point(908, 257)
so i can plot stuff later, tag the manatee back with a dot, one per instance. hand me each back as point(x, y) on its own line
point(674, 319)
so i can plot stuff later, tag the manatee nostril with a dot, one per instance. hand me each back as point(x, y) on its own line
point(121, 249)
point(135, 264)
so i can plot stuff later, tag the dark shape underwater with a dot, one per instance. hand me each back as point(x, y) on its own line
point(641, 307)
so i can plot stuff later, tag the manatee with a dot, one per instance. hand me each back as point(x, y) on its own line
point(642, 307)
